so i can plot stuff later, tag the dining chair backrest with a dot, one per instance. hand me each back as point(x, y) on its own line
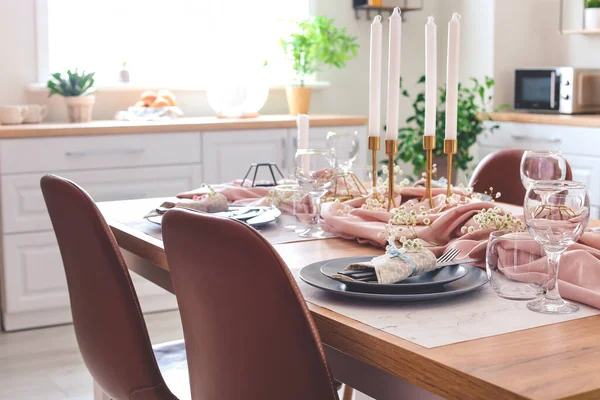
point(501, 170)
point(108, 322)
point(247, 329)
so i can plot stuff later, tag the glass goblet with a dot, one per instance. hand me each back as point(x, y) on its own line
point(314, 170)
point(556, 214)
point(542, 166)
point(345, 147)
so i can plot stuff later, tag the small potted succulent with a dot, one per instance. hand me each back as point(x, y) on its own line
point(77, 89)
point(592, 14)
point(124, 74)
point(316, 42)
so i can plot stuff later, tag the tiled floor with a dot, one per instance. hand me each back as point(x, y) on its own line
point(46, 364)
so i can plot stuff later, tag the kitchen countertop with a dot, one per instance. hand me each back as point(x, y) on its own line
point(199, 124)
point(587, 120)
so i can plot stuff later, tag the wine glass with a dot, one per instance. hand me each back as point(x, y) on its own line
point(542, 166)
point(345, 147)
point(556, 215)
point(315, 172)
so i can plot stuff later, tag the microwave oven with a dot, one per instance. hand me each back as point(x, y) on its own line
point(564, 90)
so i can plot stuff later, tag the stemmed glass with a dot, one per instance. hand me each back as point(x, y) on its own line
point(542, 166)
point(315, 170)
point(556, 215)
point(345, 146)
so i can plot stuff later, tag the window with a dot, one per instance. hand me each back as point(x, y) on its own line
point(175, 42)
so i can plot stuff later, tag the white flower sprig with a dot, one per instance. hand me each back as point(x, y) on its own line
point(345, 208)
point(493, 218)
point(379, 201)
point(404, 220)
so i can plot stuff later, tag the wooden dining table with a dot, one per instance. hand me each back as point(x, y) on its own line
point(557, 361)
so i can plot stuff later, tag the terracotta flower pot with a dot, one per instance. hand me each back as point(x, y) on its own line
point(298, 98)
point(80, 108)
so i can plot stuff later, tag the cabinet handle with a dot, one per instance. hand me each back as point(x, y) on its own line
point(525, 137)
point(284, 152)
point(104, 152)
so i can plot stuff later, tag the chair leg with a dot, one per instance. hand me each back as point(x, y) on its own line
point(348, 393)
point(99, 393)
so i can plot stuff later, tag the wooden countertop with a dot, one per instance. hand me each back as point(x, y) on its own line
point(587, 120)
point(200, 124)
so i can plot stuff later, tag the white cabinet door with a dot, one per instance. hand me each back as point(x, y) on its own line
point(24, 210)
point(227, 155)
point(34, 280)
point(587, 170)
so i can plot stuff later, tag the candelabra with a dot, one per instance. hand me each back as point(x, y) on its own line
point(374, 147)
point(450, 148)
point(391, 148)
point(429, 146)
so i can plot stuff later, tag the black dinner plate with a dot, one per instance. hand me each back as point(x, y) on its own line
point(474, 279)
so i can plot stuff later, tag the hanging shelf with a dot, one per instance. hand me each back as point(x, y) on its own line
point(576, 31)
point(377, 10)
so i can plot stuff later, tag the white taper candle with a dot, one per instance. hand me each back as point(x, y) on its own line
point(430, 76)
point(452, 77)
point(303, 127)
point(375, 79)
point(393, 92)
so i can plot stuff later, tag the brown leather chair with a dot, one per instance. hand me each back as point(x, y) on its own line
point(108, 322)
point(248, 332)
point(502, 171)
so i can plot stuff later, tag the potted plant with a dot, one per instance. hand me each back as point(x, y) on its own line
point(124, 75)
point(592, 14)
point(317, 42)
point(473, 101)
point(77, 89)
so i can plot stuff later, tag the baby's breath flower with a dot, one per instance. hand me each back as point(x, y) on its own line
point(498, 194)
point(426, 221)
point(471, 229)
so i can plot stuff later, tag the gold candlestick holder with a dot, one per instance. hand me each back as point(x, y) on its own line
point(374, 143)
point(429, 146)
point(391, 149)
point(450, 148)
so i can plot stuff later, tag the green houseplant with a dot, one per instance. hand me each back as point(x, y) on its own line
point(473, 100)
point(592, 14)
point(77, 89)
point(316, 42)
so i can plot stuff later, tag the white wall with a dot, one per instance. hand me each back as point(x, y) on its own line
point(347, 94)
point(18, 64)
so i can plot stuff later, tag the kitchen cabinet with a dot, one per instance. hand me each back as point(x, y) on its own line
point(116, 166)
point(113, 167)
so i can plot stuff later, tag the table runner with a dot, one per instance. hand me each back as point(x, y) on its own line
point(471, 316)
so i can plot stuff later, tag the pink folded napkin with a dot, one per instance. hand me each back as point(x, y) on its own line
point(258, 196)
